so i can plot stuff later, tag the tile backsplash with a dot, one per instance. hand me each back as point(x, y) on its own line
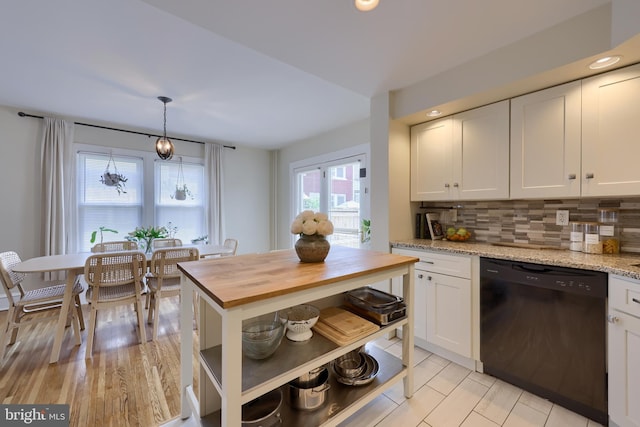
point(534, 221)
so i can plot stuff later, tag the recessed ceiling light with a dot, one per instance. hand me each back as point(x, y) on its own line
point(607, 61)
point(434, 113)
point(366, 5)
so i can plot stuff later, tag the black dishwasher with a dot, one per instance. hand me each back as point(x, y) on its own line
point(543, 328)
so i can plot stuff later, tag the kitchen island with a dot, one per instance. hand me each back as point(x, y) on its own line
point(236, 288)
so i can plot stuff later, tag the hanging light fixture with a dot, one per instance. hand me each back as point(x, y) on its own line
point(164, 146)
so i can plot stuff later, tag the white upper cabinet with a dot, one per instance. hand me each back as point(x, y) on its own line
point(431, 160)
point(611, 133)
point(481, 153)
point(463, 157)
point(545, 143)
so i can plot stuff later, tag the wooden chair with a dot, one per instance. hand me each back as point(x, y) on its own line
point(231, 244)
point(115, 246)
point(163, 278)
point(116, 278)
point(43, 298)
point(165, 243)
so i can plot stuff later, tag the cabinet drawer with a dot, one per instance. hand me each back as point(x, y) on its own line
point(451, 265)
point(624, 295)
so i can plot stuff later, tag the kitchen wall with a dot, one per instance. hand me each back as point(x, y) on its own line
point(533, 221)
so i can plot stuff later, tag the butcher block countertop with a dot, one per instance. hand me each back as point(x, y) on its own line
point(625, 264)
point(241, 279)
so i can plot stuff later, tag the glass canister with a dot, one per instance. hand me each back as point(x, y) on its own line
point(592, 243)
point(576, 236)
point(609, 230)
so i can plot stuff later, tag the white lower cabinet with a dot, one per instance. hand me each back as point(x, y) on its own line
point(449, 313)
point(443, 315)
point(624, 351)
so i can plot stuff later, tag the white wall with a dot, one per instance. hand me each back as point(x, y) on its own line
point(246, 188)
point(335, 140)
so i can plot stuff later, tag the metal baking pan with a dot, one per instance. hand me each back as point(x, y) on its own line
point(379, 318)
point(372, 298)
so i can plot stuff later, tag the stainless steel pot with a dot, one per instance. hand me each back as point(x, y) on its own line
point(263, 411)
point(309, 379)
point(310, 398)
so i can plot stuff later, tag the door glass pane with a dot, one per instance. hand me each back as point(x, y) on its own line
point(344, 203)
point(309, 189)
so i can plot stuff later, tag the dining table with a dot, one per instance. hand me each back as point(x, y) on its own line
point(73, 265)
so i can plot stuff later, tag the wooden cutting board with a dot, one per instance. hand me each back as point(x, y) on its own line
point(344, 322)
point(331, 334)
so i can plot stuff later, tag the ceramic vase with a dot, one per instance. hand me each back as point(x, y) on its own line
point(313, 248)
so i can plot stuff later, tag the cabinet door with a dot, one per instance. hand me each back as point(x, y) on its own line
point(610, 129)
point(431, 160)
point(545, 143)
point(449, 313)
point(481, 153)
point(624, 369)
point(420, 305)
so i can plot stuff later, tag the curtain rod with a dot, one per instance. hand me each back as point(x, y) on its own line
point(149, 135)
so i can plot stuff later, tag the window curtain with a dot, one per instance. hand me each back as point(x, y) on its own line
point(214, 179)
point(58, 185)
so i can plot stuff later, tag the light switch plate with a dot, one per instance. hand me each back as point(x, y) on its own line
point(562, 217)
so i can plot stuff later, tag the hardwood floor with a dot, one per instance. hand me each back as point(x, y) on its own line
point(123, 384)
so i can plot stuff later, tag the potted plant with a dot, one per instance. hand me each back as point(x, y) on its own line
point(182, 191)
point(144, 236)
point(101, 230)
point(113, 179)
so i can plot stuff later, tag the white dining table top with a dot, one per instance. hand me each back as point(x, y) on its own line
point(77, 260)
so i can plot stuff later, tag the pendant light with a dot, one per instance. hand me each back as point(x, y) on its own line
point(164, 146)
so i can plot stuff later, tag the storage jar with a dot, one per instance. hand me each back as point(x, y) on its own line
point(609, 231)
point(592, 243)
point(576, 237)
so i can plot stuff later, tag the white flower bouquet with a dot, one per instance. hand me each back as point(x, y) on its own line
point(310, 223)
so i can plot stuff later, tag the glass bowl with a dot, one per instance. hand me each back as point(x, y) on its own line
point(262, 336)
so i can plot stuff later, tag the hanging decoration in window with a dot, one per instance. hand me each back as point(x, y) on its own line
point(182, 191)
point(113, 179)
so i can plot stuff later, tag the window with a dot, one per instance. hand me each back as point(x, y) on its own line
point(188, 214)
point(148, 196)
point(333, 187)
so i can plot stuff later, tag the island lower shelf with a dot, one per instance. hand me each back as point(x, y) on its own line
point(291, 360)
point(342, 400)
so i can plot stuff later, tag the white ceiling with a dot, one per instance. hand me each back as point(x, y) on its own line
point(246, 72)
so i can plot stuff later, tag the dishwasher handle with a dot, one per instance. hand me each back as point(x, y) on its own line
point(529, 269)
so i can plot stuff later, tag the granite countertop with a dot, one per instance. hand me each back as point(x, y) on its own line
point(621, 264)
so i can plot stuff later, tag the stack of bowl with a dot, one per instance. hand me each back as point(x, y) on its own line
point(262, 335)
point(355, 368)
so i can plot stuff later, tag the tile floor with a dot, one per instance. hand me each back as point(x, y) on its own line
point(449, 395)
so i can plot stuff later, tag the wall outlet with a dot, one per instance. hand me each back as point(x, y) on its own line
point(562, 217)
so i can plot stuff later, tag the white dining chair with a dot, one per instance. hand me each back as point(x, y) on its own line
point(163, 279)
point(116, 279)
point(115, 246)
point(165, 243)
point(45, 296)
point(231, 244)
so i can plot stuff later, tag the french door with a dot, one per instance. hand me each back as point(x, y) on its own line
point(338, 188)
